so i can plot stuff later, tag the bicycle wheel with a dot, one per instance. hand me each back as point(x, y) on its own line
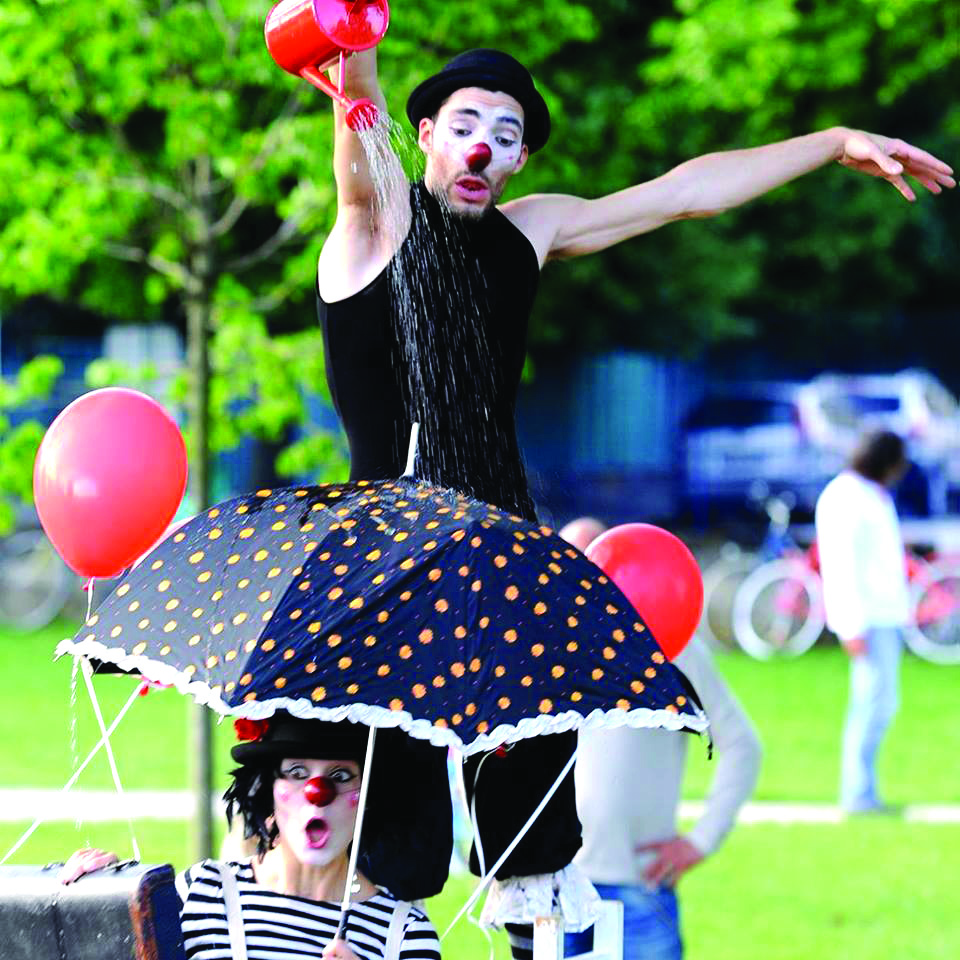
point(935, 635)
point(778, 610)
point(721, 579)
point(34, 582)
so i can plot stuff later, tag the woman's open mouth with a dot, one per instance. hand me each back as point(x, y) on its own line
point(318, 833)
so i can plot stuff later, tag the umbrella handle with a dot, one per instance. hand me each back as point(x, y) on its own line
point(355, 847)
point(412, 448)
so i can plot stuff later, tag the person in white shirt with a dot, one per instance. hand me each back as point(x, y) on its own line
point(628, 793)
point(863, 567)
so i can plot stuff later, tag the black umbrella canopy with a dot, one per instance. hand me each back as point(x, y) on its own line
point(392, 603)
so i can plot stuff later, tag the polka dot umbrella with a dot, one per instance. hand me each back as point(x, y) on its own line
point(390, 603)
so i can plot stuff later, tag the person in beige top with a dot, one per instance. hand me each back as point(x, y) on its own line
point(628, 795)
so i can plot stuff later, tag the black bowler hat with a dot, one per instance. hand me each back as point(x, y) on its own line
point(489, 70)
point(283, 736)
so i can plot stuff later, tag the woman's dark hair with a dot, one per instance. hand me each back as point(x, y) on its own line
point(250, 795)
point(877, 454)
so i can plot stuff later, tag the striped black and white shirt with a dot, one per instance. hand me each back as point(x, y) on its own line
point(277, 926)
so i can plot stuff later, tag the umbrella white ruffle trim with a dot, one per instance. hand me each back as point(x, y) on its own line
point(523, 899)
point(384, 717)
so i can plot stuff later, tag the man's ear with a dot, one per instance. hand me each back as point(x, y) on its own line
point(425, 134)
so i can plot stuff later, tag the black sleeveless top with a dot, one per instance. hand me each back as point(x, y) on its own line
point(439, 337)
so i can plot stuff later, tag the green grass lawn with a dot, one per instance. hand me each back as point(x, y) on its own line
point(864, 890)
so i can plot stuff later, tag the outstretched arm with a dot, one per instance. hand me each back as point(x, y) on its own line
point(565, 226)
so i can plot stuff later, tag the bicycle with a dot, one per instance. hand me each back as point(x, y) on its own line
point(724, 575)
point(36, 586)
point(779, 609)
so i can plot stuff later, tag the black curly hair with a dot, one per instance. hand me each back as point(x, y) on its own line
point(250, 796)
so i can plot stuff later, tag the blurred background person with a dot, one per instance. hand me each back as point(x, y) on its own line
point(628, 795)
point(863, 566)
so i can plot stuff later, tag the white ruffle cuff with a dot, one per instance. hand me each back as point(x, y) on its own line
point(567, 892)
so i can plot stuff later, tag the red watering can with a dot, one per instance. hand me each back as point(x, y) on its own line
point(306, 37)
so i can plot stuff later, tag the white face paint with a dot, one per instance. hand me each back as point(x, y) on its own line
point(316, 836)
point(470, 117)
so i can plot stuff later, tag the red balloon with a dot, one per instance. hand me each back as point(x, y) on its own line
point(659, 576)
point(110, 474)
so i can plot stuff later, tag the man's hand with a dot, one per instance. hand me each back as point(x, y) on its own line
point(338, 950)
point(892, 159)
point(85, 861)
point(855, 646)
point(674, 858)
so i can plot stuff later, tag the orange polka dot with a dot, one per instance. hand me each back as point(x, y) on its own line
point(435, 574)
point(334, 640)
point(439, 680)
point(543, 579)
point(540, 608)
point(499, 670)
point(335, 594)
point(280, 682)
point(649, 673)
point(268, 645)
point(464, 571)
point(441, 606)
point(374, 555)
point(681, 701)
point(289, 653)
point(426, 635)
point(484, 622)
point(503, 703)
point(557, 672)
point(383, 670)
point(369, 640)
point(526, 681)
point(476, 585)
point(356, 603)
point(318, 693)
point(460, 632)
point(458, 669)
point(340, 569)
point(670, 708)
point(623, 704)
point(456, 719)
point(500, 561)
point(311, 667)
point(511, 593)
point(483, 726)
point(596, 673)
point(537, 649)
point(612, 610)
point(246, 679)
point(609, 653)
point(315, 626)
point(406, 652)
point(576, 696)
point(419, 691)
point(637, 687)
point(344, 663)
point(475, 665)
point(546, 705)
point(657, 657)
point(619, 635)
point(396, 704)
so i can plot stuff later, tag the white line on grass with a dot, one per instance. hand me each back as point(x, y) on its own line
point(26, 803)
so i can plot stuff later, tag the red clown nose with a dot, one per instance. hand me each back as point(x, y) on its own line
point(320, 791)
point(478, 156)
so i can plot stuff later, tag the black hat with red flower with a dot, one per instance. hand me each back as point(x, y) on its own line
point(282, 735)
